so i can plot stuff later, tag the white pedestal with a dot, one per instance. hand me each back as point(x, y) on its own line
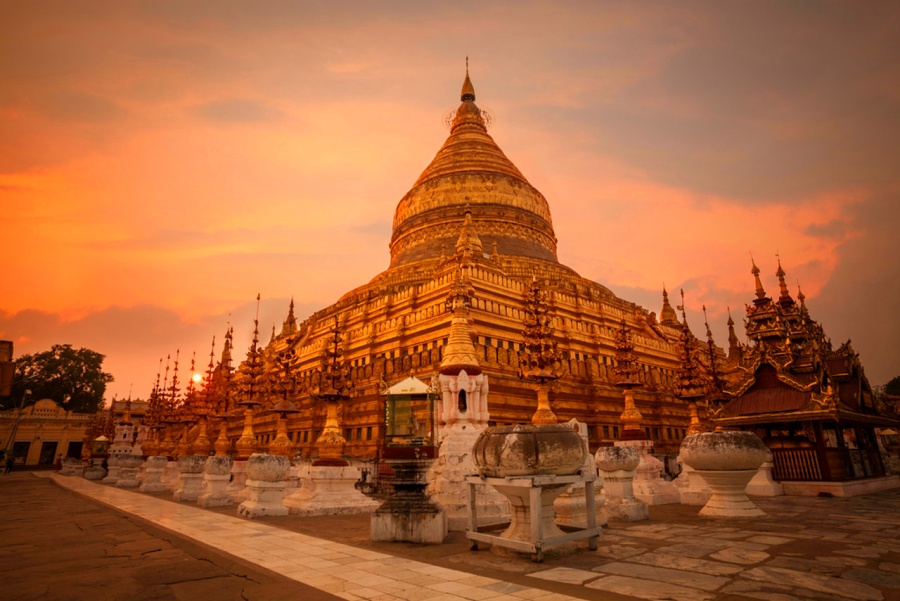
point(329, 490)
point(237, 488)
point(154, 467)
point(190, 484)
point(128, 471)
point(621, 504)
point(447, 480)
point(266, 478)
point(263, 499)
point(216, 476)
point(189, 487)
point(728, 497)
point(649, 486)
point(693, 488)
point(762, 484)
point(533, 528)
point(113, 468)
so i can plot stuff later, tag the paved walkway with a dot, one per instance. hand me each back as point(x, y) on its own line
point(804, 548)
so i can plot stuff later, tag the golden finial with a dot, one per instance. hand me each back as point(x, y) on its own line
point(781, 284)
point(760, 291)
point(468, 90)
point(681, 307)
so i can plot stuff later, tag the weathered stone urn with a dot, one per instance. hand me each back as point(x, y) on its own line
point(617, 466)
point(529, 450)
point(727, 461)
point(266, 478)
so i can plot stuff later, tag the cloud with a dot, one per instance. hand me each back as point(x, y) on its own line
point(236, 110)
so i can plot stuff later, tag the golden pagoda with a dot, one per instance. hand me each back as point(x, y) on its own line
point(472, 209)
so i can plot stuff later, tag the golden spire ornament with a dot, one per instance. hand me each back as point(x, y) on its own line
point(690, 386)
point(626, 371)
point(331, 443)
point(540, 357)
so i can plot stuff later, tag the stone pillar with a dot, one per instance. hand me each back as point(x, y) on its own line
point(154, 467)
point(266, 475)
point(762, 484)
point(217, 473)
point(128, 470)
point(617, 466)
point(190, 484)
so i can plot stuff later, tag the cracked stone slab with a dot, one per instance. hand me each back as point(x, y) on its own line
point(648, 589)
point(620, 551)
point(688, 564)
point(698, 549)
point(820, 565)
point(770, 540)
point(693, 580)
point(566, 575)
point(887, 566)
point(815, 582)
point(752, 590)
point(740, 556)
point(873, 577)
point(870, 552)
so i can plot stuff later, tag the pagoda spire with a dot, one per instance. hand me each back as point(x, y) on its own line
point(734, 347)
point(760, 291)
point(785, 298)
point(460, 354)
point(667, 316)
point(802, 298)
point(690, 384)
point(226, 348)
point(290, 322)
point(469, 244)
point(711, 345)
point(468, 90)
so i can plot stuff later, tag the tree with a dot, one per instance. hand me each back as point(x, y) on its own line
point(74, 378)
point(893, 387)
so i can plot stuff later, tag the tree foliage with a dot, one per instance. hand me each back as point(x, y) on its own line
point(893, 387)
point(74, 378)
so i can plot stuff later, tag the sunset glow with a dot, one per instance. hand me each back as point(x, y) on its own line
point(164, 162)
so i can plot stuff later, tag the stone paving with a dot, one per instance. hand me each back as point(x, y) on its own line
point(804, 548)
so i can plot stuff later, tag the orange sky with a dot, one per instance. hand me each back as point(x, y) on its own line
point(162, 163)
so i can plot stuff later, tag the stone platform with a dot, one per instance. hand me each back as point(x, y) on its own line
point(803, 548)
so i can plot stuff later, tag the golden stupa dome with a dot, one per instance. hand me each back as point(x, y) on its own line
point(471, 171)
